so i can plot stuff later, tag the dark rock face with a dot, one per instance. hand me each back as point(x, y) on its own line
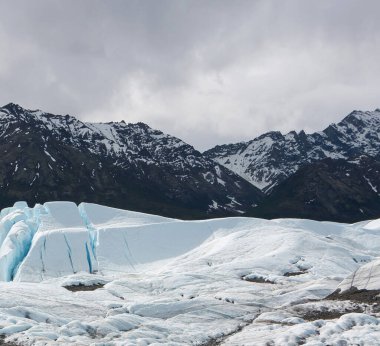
point(269, 159)
point(335, 190)
point(362, 295)
point(49, 157)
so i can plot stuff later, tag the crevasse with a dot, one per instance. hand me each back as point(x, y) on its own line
point(17, 228)
point(54, 231)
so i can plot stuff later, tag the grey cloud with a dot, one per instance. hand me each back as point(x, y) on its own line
point(206, 71)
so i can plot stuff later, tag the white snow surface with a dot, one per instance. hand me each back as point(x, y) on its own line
point(173, 282)
point(367, 277)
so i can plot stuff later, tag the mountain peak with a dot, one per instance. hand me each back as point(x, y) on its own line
point(361, 119)
point(12, 107)
point(265, 163)
point(142, 125)
point(120, 164)
point(16, 109)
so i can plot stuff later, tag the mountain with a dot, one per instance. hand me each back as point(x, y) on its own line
point(51, 157)
point(336, 190)
point(328, 175)
point(270, 158)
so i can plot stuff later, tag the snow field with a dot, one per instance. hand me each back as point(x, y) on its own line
point(241, 281)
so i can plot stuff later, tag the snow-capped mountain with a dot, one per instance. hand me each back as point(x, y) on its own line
point(269, 159)
point(49, 157)
point(52, 157)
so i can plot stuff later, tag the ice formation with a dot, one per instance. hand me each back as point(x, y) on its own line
point(235, 281)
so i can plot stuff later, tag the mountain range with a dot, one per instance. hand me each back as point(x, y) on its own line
point(327, 175)
point(49, 157)
point(270, 158)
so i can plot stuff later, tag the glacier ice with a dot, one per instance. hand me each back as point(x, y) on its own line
point(60, 238)
point(169, 281)
point(14, 248)
point(60, 245)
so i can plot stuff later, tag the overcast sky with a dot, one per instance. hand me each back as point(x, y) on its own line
point(209, 72)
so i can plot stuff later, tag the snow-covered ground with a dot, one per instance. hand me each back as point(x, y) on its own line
point(232, 281)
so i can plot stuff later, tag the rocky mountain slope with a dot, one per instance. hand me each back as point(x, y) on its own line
point(336, 190)
point(269, 159)
point(329, 175)
point(51, 157)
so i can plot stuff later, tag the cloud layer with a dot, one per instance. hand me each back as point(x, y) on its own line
point(209, 72)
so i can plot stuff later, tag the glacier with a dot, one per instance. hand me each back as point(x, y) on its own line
point(61, 238)
point(162, 281)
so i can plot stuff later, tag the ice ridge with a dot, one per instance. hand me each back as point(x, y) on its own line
point(57, 223)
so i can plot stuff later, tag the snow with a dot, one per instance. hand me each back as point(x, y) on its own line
point(366, 277)
point(371, 185)
point(106, 217)
point(221, 182)
point(214, 205)
point(51, 157)
point(140, 245)
point(373, 225)
point(174, 282)
point(218, 172)
point(350, 329)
